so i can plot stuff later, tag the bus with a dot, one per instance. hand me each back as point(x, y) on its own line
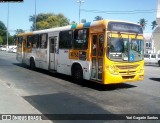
point(104, 51)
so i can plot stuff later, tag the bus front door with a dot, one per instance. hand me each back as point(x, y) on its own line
point(97, 56)
point(52, 52)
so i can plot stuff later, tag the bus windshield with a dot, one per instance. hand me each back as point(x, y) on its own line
point(124, 49)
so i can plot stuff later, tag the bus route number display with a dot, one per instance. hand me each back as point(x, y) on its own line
point(125, 27)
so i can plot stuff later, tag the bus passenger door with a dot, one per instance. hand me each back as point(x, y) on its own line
point(97, 56)
point(52, 52)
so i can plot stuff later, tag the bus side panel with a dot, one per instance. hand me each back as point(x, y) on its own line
point(19, 56)
point(63, 62)
point(43, 59)
point(27, 58)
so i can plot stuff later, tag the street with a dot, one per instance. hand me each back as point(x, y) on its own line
point(51, 93)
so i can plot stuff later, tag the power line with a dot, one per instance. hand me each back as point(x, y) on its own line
point(122, 12)
point(80, 2)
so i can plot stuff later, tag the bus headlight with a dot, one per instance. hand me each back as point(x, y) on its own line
point(112, 69)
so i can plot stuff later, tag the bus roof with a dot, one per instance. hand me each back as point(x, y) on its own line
point(75, 26)
point(25, 34)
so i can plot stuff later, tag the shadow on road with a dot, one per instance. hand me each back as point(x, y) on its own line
point(152, 65)
point(86, 83)
point(63, 103)
point(155, 79)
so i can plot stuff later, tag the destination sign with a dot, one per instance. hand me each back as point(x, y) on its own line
point(125, 27)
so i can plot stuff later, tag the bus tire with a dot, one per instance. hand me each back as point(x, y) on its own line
point(32, 64)
point(159, 63)
point(77, 74)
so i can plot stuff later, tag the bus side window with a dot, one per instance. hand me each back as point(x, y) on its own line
point(19, 44)
point(43, 41)
point(29, 41)
point(81, 39)
point(36, 41)
point(65, 39)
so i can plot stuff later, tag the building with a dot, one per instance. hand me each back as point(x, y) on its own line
point(148, 43)
point(156, 32)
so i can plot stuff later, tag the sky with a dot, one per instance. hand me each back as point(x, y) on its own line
point(127, 10)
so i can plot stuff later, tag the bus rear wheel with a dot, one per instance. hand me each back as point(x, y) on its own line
point(77, 74)
point(159, 63)
point(32, 64)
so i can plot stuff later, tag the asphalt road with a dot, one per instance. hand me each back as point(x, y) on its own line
point(56, 93)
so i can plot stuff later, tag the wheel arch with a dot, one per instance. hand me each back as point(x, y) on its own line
point(76, 64)
point(32, 58)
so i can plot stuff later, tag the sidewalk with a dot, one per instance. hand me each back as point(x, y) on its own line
point(12, 103)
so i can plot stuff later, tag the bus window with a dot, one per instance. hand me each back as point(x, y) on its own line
point(101, 44)
point(29, 41)
point(43, 41)
point(36, 41)
point(94, 47)
point(80, 39)
point(19, 41)
point(65, 39)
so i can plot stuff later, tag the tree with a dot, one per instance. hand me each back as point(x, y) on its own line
point(83, 21)
point(154, 24)
point(1, 40)
point(40, 17)
point(3, 32)
point(3, 29)
point(49, 20)
point(98, 18)
point(143, 23)
point(3, 35)
point(73, 22)
point(18, 31)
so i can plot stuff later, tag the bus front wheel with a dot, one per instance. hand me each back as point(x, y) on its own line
point(77, 74)
point(159, 63)
point(32, 64)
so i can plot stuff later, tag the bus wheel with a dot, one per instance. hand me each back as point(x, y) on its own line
point(77, 74)
point(32, 64)
point(159, 63)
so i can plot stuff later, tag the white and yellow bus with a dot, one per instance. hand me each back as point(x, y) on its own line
point(102, 51)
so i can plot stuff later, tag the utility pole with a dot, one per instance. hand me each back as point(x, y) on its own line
point(35, 18)
point(80, 2)
point(7, 25)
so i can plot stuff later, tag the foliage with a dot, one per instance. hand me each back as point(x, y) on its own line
point(143, 23)
point(154, 24)
point(18, 31)
point(2, 32)
point(49, 20)
point(83, 21)
point(98, 18)
point(73, 22)
point(1, 40)
point(2, 29)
